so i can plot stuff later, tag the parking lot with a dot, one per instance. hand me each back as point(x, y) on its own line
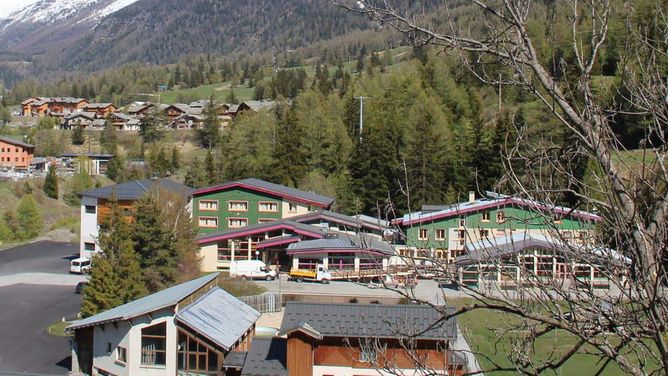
point(35, 291)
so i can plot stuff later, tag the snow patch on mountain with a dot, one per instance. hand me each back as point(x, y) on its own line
point(50, 11)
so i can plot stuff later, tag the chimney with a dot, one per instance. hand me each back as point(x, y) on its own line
point(471, 197)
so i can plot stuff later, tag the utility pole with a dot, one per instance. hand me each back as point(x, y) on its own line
point(361, 98)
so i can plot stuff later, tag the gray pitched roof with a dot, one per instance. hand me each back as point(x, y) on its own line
point(271, 188)
point(342, 242)
point(235, 359)
point(491, 249)
point(370, 320)
point(352, 221)
point(16, 142)
point(219, 317)
point(134, 190)
point(151, 303)
point(267, 357)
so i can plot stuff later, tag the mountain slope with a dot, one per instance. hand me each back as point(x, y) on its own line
point(160, 31)
point(45, 26)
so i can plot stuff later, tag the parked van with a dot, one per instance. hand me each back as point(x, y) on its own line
point(251, 269)
point(80, 265)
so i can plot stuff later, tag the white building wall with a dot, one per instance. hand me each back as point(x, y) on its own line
point(89, 227)
point(301, 209)
point(129, 336)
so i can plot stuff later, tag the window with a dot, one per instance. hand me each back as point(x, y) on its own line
point(558, 219)
point(208, 204)
point(440, 234)
point(108, 348)
point(267, 207)
point(195, 358)
point(17, 150)
point(121, 354)
point(238, 205)
point(89, 246)
point(462, 221)
point(237, 222)
point(153, 345)
point(461, 234)
point(208, 222)
point(484, 233)
point(485, 216)
point(500, 216)
point(265, 220)
point(292, 208)
point(90, 209)
point(423, 234)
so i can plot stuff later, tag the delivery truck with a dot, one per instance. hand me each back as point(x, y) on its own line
point(319, 274)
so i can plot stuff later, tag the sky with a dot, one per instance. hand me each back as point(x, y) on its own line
point(8, 6)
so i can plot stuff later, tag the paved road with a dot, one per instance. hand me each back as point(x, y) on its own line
point(36, 290)
point(41, 263)
point(27, 310)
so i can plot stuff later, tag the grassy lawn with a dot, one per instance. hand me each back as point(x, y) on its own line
point(479, 328)
point(58, 328)
point(220, 91)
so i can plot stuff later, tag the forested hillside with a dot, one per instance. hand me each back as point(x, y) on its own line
point(432, 131)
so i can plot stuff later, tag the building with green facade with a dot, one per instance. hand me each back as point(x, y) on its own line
point(248, 202)
point(443, 231)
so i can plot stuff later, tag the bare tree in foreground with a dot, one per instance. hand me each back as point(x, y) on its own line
point(627, 325)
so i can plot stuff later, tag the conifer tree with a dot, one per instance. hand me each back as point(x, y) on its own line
point(115, 241)
point(210, 167)
point(28, 218)
point(426, 152)
point(289, 156)
point(149, 126)
point(195, 176)
point(109, 138)
point(209, 135)
point(50, 186)
point(154, 243)
point(77, 135)
point(103, 291)
point(232, 97)
point(116, 169)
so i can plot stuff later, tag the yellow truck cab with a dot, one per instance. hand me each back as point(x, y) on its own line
point(319, 274)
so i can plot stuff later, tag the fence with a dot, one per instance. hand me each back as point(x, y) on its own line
point(267, 302)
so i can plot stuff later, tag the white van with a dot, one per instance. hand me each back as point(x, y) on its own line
point(80, 265)
point(251, 269)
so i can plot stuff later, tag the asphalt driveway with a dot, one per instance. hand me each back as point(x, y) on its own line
point(36, 290)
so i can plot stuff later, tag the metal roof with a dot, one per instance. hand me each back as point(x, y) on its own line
point(280, 224)
point(16, 142)
point(491, 249)
point(370, 320)
point(134, 190)
point(273, 189)
point(352, 221)
point(89, 155)
point(267, 357)
point(342, 242)
point(235, 359)
point(151, 303)
point(437, 212)
point(219, 317)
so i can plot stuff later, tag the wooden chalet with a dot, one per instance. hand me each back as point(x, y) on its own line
point(102, 110)
point(322, 339)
